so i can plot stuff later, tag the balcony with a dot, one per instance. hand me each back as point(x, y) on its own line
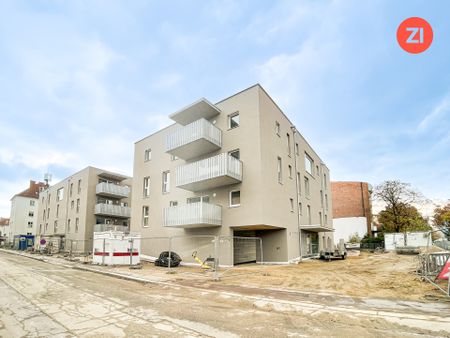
point(112, 190)
point(112, 210)
point(197, 138)
point(199, 109)
point(193, 215)
point(111, 227)
point(212, 172)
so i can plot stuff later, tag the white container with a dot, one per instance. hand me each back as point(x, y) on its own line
point(116, 248)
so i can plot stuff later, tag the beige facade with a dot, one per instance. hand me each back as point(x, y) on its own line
point(249, 163)
point(91, 199)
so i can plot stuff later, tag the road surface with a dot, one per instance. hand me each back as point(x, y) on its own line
point(38, 299)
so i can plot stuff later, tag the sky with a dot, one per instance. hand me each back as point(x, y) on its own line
point(82, 80)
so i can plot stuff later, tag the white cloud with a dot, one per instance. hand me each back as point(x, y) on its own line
point(439, 113)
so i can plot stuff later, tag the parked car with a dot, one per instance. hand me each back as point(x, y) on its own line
point(163, 259)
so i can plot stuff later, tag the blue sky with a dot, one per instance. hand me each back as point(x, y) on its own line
point(81, 81)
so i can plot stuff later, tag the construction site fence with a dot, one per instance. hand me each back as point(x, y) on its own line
point(372, 246)
point(431, 266)
point(443, 244)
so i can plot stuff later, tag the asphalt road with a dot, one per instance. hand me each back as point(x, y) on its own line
point(39, 299)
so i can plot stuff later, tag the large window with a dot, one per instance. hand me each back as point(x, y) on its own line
point(233, 120)
point(71, 189)
point(59, 194)
point(31, 203)
point(166, 182)
point(79, 186)
point(321, 198)
point(77, 224)
point(306, 186)
point(290, 171)
point(235, 198)
point(277, 128)
point(147, 155)
point(299, 184)
point(279, 170)
point(68, 225)
point(146, 186)
point(308, 213)
point(326, 202)
point(325, 181)
point(145, 215)
point(309, 164)
point(57, 210)
point(78, 205)
point(55, 227)
point(291, 202)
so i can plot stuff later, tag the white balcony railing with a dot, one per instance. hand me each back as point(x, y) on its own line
point(209, 173)
point(111, 227)
point(112, 210)
point(193, 215)
point(200, 130)
point(110, 189)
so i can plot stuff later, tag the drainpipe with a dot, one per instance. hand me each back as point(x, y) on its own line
point(294, 131)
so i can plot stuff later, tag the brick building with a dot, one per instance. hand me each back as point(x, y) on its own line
point(351, 209)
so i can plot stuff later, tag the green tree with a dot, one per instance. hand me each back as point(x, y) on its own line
point(403, 218)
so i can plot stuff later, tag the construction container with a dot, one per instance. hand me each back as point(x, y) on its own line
point(116, 248)
point(23, 242)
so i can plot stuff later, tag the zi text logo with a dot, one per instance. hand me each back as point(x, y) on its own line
point(414, 35)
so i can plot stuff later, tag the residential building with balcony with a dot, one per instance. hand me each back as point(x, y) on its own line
point(24, 210)
point(89, 200)
point(238, 167)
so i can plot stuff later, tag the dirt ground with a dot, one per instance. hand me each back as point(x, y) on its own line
point(378, 275)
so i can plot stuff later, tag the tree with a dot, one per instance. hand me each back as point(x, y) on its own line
point(441, 219)
point(406, 218)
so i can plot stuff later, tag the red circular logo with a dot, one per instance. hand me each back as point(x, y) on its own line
point(414, 35)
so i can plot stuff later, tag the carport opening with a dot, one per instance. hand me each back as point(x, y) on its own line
point(244, 250)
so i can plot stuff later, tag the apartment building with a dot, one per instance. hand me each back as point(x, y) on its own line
point(4, 230)
point(89, 200)
point(24, 209)
point(352, 209)
point(235, 168)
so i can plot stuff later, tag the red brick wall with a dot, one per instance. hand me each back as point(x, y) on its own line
point(351, 199)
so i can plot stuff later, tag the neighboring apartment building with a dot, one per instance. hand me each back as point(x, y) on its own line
point(91, 199)
point(24, 208)
point(238, 167)
point(352, 210)
point(4, 229)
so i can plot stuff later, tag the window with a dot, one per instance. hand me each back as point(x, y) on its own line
point(147, 155)
point(31, 213)
point(173, 157)
point(308, 213)
point(306, 186)
point(46, 226)
point(291, 201)
point(290, 171)
point(325, 180)
point(57, 210)
point(72, 204)
point(59, 194)
point(279, 170)
point(326, 220)
point(79, 186)
point(277, 128)
point(78, 205)
point(146, 186)
point(68, 225)
point(297, 149)
point(30, 224)
point(197, 199)
point(235, 153)
point(31, 203)
point(320, 218)
point(173, 203)
point(300, 209)
point(43, 216)
point(233, 120)
point(48, 213)
point(145, 215)
point(55, 226)
point(299, 184)
point(77, 224)
point(309, 164)
point(288, 139)
point(326, 202)
point(235, 198)
point(71, 189)
point(317, 170)
point(321, 198)
point(166, 182)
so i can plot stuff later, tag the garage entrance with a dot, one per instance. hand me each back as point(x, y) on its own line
point(244, 250)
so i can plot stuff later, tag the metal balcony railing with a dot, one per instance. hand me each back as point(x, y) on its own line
point(112, 210)
point(111, 227)
point(193, 215)
point(110, 189)
point(212, 172)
